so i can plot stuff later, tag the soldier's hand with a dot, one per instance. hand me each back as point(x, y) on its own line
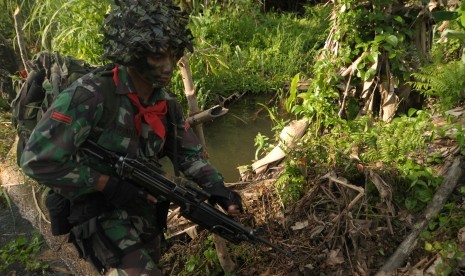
point(151, 199)
point(229, 200)
point(124, 195)
point(234, 210)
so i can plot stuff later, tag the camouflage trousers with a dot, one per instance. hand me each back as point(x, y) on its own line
point(137, 236)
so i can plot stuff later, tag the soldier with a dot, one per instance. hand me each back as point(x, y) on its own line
point(113, 223)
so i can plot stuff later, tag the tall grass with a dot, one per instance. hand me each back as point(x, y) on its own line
point(71, 27)
point(251, 50)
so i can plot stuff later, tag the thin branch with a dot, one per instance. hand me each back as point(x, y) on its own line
point(21, 43)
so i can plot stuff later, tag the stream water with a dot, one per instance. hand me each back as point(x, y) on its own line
point(230, 138)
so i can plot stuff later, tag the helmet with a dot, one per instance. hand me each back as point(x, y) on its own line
point(135, 28)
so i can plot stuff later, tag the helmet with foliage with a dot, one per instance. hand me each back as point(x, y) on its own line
point(135, 28)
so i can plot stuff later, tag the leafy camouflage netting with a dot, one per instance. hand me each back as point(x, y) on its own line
point(135, 27)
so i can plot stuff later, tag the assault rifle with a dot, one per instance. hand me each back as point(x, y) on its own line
point(187, 196)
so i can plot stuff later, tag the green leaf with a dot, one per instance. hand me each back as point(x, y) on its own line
point(425, 234)
point(373, 56)
point(439, 16)
point(410, 203)
point(392, 39)
point(369, 73)
point(424, 195)
point(292, 92)
point(453, 34)
point(192, 263)
point(428, 246)
point(379, 38)
point(411, 112)
point(399, 19)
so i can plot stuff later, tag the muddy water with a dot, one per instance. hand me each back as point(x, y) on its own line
point(230, 138)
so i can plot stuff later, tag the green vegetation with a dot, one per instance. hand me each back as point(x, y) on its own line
point(227, 58)
point(71, 27)
point(270, 52)
point(23, 250)
point(398, 150)
point(204, 263)
point(444, 81)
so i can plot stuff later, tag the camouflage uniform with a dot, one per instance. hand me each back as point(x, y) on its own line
point(52, 157)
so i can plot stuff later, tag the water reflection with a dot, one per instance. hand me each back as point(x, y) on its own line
point(230, 138)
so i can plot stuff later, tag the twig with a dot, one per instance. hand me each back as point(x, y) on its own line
point(348, 253)
point(10, 185)
point(360, 190)
point(20, 36)
point(353, 66)
point(344, 99)
point(42, 215)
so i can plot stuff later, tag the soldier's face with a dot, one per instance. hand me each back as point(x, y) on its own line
point(158, 68)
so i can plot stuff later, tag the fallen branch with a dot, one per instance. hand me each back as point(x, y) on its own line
point(332, 177)
point(289, 136)
point(453, 176)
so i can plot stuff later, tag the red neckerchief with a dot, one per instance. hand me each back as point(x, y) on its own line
point(153, 115)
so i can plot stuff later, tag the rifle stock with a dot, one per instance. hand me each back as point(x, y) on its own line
point(189, 198)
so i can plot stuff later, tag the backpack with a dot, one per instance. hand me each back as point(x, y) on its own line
point(51, 73)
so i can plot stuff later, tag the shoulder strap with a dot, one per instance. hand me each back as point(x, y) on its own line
point(111, 101)
point(172, 128)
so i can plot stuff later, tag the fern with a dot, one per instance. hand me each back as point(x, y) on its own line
point(290, 184)
point(444, 81)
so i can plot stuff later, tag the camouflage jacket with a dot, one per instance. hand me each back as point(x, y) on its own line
point(52, 155)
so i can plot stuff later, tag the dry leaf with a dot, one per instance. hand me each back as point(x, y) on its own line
point(299, 225)
point(334, 258)
point(317, 230)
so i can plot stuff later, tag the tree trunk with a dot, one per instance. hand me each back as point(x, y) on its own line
point(189, 90)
